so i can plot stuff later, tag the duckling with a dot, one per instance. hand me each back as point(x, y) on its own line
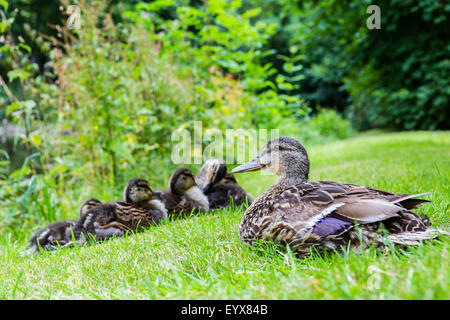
point(183, 195)
point(219, 186)
point(88, 205)
point(228, 188)
point(139, 193)
point(212, 171)
point(52, 236)
point(58, 233)
point(139, 210)
point(323, 214)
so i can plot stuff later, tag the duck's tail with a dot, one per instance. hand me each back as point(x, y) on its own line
point(408, 201)
point(416, 237)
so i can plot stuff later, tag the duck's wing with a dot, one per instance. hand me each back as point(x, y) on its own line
point(315, 201)
point(405, 200)
point(319, 209)
point(99, 216)
point(111, 225)
point(173, 203)
point(133, 216)
point(112, 229)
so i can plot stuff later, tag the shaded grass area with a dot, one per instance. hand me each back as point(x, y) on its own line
point(202, 258)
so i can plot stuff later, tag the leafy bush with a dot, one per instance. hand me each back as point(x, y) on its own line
point(326, 125)
point(123, 89)
point(221, 35)
point(118, 91)
point(398, 76)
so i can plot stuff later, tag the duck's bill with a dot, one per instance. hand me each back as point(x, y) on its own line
point(252, 165)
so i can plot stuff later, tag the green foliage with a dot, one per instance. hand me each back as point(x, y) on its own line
point(221, 35)
point(122, 102)
point(327, 125)
point(24, 196)
point(398, 76)
point(283, 52)
point(123, 89)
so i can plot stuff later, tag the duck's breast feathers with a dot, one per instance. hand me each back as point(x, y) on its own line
point(158, 209)
point(196, 197)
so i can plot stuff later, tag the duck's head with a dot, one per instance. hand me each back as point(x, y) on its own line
point(284, 156)
point(137, 190)
point(88, 205)
point(181, 181)
point(212, 171)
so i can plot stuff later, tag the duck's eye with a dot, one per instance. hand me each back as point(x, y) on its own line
point(285, 148)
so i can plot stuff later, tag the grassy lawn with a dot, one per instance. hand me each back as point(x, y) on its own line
point(202, 257)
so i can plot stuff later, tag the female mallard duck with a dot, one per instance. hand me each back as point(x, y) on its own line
point(58, 233)
point(138, 210)
point(183, 196)
point(323, 214)
point(220, 186)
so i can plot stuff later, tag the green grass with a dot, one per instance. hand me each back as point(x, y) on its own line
point(202, 257)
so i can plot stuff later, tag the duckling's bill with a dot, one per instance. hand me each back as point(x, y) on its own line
point(252, 165)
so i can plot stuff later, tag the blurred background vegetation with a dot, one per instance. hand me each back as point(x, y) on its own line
point(84, 110)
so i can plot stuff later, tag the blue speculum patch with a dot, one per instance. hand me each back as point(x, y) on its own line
point(330, 225)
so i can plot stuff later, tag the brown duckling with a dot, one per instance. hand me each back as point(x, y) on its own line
point(219, 186)
point(58, 233)
point(227, 190)
point(183, 196)
point(139, 210)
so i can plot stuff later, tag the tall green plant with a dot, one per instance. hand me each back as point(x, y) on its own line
point(120, 98)
point(222, 34)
